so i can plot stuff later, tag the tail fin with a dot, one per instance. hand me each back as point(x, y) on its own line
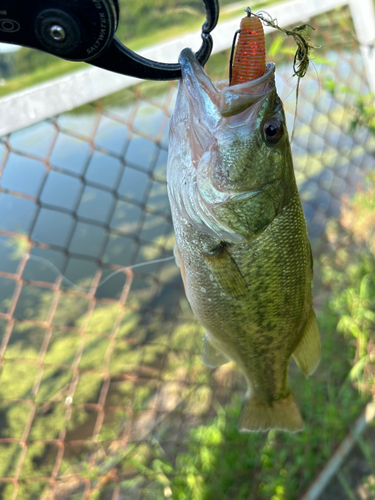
point(257, 415)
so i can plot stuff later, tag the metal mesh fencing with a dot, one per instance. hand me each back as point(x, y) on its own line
point(101, 377)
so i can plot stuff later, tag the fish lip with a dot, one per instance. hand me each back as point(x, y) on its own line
point(236, 98)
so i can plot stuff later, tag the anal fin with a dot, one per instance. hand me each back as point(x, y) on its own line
point(226, 272)
point(307, 353)
point(211, 355)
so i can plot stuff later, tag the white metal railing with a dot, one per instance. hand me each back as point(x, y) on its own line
point(51, 98)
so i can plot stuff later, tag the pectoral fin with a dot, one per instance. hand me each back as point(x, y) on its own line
point(307, 353)
point(226, 272)
point(211, 356)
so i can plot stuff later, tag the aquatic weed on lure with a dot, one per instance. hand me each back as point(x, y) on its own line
point(302, 57)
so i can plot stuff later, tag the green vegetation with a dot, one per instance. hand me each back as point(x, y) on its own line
point(364, 111)
point(363, 108)
point(218, 462)
point(353, 299)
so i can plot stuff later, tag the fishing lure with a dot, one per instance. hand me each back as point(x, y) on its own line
point(250, 57)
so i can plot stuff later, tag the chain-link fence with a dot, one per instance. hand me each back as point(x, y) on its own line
point(103, 392)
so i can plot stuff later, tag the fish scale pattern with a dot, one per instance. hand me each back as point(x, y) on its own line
point(100, 355)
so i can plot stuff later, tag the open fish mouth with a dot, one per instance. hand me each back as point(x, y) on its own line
point(237, 98)
point(206, 95)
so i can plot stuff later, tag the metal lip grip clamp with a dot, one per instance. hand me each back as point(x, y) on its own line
point(84, 30)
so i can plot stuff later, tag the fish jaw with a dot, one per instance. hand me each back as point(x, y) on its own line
point(218, 157)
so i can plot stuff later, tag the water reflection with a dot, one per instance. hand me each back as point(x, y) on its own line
point(52, 227)
point(105, 178)
point(23, 174)
point(61, 191)
point(70, 154)
point(36, 140)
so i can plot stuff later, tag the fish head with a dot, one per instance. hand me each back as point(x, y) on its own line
point(230, 169)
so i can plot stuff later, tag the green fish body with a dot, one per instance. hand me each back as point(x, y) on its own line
point(241, 239)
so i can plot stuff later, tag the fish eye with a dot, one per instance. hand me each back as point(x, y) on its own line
point(272, 130)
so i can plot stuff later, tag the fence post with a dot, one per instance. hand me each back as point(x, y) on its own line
point(363, 15)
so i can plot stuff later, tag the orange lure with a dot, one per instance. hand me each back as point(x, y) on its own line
point(250, 58)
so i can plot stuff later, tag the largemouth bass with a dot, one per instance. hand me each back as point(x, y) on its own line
point(241, 239)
